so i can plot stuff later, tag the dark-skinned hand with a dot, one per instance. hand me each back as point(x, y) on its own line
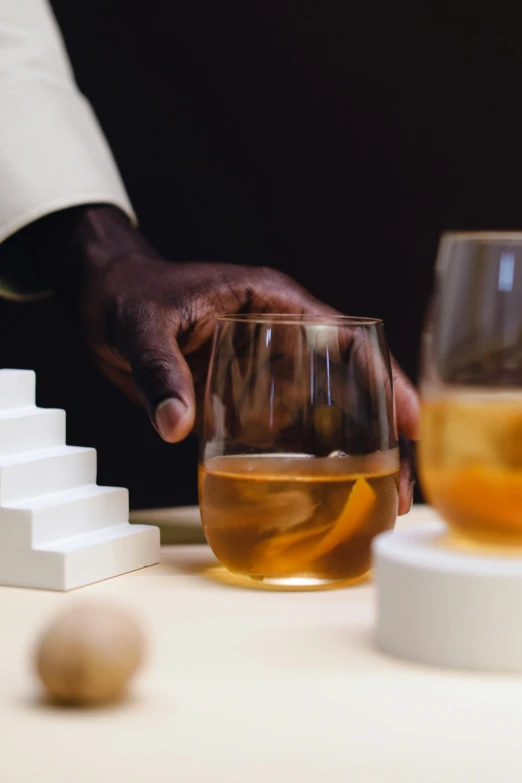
point(149, 322)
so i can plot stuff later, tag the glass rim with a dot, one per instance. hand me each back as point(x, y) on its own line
point(482, 236)
point(300, 319)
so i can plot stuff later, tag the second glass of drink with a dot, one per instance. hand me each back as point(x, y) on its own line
point(471, 446)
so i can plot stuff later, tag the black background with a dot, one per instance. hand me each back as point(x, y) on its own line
point(333, 139)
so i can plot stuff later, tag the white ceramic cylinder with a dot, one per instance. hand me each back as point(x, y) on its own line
point(446, 605)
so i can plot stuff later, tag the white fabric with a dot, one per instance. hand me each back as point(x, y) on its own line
point(53, 153)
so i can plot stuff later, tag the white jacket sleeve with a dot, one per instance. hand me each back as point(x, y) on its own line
point(53, 153)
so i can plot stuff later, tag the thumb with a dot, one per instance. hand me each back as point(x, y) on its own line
point(164, 383)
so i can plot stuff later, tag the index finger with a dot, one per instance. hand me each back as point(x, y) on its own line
point(406, 403)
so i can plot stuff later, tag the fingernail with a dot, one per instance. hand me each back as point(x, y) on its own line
point(168, 416)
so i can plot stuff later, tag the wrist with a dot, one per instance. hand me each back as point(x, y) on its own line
point(74, 238)
point(99, 233)
point(95, 236)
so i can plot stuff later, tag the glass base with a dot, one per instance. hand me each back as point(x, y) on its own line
point(285, 583)
point(300, 582)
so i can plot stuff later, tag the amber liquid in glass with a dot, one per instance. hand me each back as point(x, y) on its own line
point(471, 463)
point(281, 517)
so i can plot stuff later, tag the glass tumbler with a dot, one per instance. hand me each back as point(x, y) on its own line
point(299, 462)
point(470, 454)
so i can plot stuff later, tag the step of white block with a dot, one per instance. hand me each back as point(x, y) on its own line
point(41, 520)
point(30, 474)
point(31, 428)
point(17, 389)
point(84, 559)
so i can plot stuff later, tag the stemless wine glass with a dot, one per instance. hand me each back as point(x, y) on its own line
point(471, 445)
point(299, 464)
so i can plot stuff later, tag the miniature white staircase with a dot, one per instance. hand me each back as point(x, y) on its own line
point(58, 529)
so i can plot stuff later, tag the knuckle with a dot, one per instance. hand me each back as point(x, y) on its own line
point(272, 275)
point(152, 370)
point(277, 285)
point(154, 359)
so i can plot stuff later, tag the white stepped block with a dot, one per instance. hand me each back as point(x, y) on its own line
point(17, 389)
point(73, 512)
point(28, 429)
point(81, 560)
point(34, 473)
point(58, 529)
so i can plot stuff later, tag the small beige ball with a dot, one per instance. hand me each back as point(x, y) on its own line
point(89, 653)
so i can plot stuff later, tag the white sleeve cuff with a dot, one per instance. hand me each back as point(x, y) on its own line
point(53, 155)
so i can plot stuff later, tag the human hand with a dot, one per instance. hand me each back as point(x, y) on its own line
point(149, 322)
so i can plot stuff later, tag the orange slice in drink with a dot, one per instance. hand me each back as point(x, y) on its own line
point(295, 552)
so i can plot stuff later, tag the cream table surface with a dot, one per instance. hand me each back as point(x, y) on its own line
point(248, 686)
